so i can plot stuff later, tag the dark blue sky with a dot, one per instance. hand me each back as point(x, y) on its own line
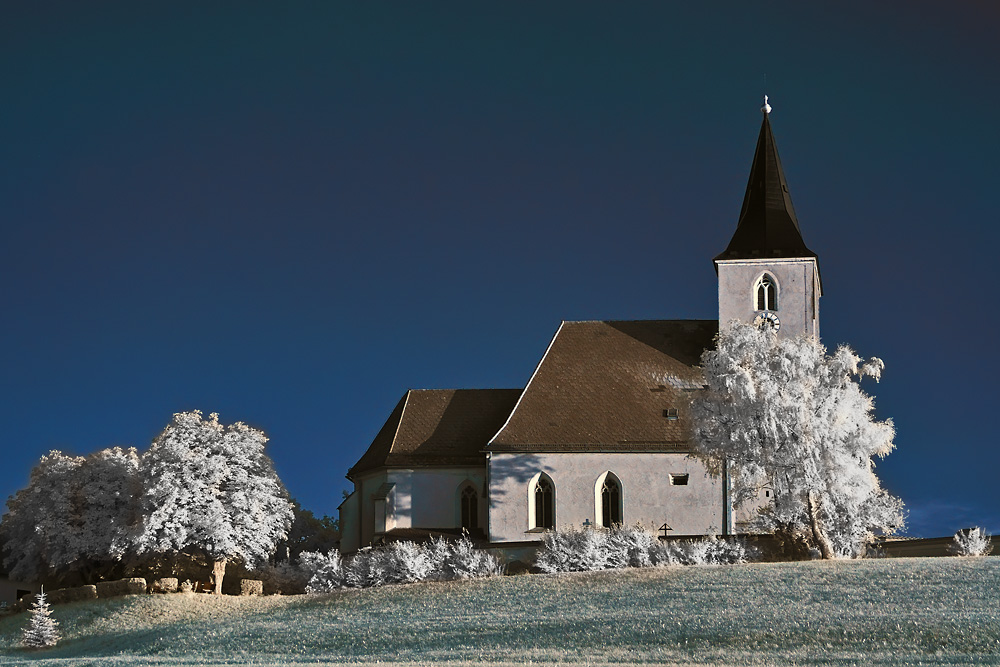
point(290, 213)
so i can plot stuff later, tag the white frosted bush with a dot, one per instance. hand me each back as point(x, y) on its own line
point(464, 561)
point(666, 553)
point(576, 550)
point(971, 542)
point(398, 563)
point(573, 550)
point(325, 572)
point(438, 552)
point(629, 547)
point(405, 563)
point(712, 551)
point(356, 570)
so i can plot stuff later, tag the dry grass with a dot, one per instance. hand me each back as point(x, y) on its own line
point(906, 611)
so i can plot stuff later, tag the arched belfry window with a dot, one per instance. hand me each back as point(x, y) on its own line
point(766, 293)
point(608, 499)
point(470, 508)
point(543, 507)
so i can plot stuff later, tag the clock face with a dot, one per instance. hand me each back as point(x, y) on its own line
point(767, 320)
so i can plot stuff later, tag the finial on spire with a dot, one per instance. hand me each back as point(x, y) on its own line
point(766, 109)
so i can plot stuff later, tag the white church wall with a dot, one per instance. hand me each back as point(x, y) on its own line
point(429, 497)
point(418, 498)
point(798, 292)
point(648, 497)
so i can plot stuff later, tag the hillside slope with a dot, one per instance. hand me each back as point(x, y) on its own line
point(899, 611)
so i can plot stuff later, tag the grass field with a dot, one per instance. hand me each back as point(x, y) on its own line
point(935, 611)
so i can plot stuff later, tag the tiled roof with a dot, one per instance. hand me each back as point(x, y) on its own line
point(606, 386)
point(439, 427)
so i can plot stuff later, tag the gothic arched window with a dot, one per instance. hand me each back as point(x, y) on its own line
point(544, 501)
point(766, 292)
point(470, 508)
point(611, 502)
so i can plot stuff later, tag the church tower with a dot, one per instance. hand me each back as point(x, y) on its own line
point(767, 274)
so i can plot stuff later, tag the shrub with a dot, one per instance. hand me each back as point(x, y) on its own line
point(971, 542)
point(575, 550)
point(398, 563)
point(322, 572)
point(405, 563)
point(464, 561)
point(438, 551)
point(713, 551)
point(666, 553)
point(630, 547)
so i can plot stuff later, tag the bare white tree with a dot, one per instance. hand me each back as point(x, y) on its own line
point(211, 489)
point(781, 414)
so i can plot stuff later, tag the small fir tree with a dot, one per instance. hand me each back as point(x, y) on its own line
point(42, 630)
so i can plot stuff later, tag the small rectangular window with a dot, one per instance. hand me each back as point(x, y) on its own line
point(679, 479)
point(671, 414)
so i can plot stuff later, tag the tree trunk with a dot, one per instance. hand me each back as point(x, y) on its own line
point(819, 535)
point(218, 572)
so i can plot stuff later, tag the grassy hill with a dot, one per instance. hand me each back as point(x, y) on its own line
point(898, 611)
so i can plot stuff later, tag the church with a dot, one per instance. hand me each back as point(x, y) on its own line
point(600, 434)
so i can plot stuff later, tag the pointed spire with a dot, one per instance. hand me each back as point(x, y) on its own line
point(767, 225)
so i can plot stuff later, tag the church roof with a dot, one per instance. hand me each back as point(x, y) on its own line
point(430, 427)
point(767, 225)
point(608, 386)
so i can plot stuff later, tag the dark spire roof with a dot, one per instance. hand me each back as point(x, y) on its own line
point(767, 225)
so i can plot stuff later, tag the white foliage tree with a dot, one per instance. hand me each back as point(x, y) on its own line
point(42, 630)
point(105, 499)
point(35, 530)
point(74, 516)
point(784, 415)
point(211, 490)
